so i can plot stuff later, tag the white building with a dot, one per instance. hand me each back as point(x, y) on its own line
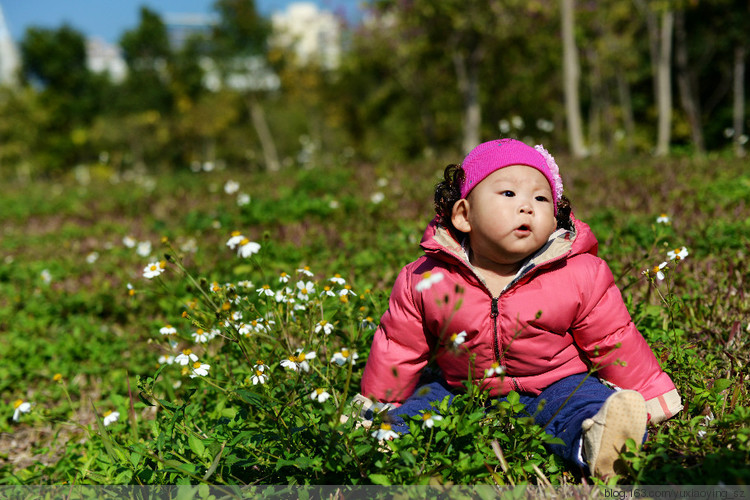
point(103, 57)
point(9, 58)
point(314, 35)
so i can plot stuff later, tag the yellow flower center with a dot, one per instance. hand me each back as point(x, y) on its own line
point(187, 352)
point(385, 427)
point(244, 241)
point(345, 352)
point(57, 377)
point(454, 337)
point(347, 287)
point(226, 306)
point(258, 373)
point(304, 291)
point(320, 391)
point(266, 287)
point(162, 264)
point(344, 299)
point(655, 269)
point(426, 275)
point(337, 275)
point(300, 358)
point(197, 365)
point(236, 233)
point(108, 413)
point(426, 416)
point(17, 403)
point(327, 288)
point(259, 363)
point(284, 275)
point(323, 323)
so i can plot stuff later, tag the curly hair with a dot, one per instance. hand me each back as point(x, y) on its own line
point(448, 192)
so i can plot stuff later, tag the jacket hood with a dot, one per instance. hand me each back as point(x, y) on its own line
point(438, 242)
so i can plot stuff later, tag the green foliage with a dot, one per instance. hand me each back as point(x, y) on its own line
point(81, 328)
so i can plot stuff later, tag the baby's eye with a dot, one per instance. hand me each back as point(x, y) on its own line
point(508, 193)
point(541, 198)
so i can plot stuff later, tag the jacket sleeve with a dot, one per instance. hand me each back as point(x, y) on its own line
point(400, 348)
point(604, 331)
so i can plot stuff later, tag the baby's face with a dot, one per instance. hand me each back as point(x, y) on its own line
point(510, 215)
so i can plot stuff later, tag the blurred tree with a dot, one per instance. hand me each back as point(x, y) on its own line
point(461, 34)
point(571, 72)
point(54, 62)
point(240, 50)
point(148, 55)
point(659, 18)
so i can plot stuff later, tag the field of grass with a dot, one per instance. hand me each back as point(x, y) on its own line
point(81, 327)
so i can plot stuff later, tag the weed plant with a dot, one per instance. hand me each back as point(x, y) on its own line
point(211, 327)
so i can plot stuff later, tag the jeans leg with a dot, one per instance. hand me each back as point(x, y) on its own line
point(565, 407)
point(422, 400)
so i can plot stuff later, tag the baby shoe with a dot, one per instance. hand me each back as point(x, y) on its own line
point(623, 416)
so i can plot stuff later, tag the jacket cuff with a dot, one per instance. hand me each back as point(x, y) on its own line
point(664, 406)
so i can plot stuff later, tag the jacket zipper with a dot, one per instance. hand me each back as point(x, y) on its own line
point(495, 341)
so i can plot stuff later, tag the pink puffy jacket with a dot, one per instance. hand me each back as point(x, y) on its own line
point(561, 315)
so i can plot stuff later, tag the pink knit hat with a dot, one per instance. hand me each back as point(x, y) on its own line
point(494, 155)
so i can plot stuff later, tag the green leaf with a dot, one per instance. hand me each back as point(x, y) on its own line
point(380, 479)
point(196, 444)
point(721, 384)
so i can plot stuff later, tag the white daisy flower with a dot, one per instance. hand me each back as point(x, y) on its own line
point(327, 291)
point(368, 323)
point(20, 406)
point(344, 356)
point(338, 280)
point(168, 330)
point(200, 336)
point(458, 338)
point(46, 276)
point(128, 241)
point(662, 219)
point(110, 417)
point(248, 248)
point(259, 373)
point(92, 257)
point(347, 290)
point(377, 197)
point(245, 284)
point(283, 277)
point(429, 279)
point(657, 271)
point(494, 369)
point(143, 249)
point(298, 361)
point(243, 199)
point(153, 270)
point(324, 326)
point(677, 253)
point(385, 432)
point(166, 360)
point(319, 395)
point(306, 271)
point(266, 290)
point(305, 289)
point(186, 357)
point(231, 187)
point(429, 419)
point(199, 369)
point(235, 240)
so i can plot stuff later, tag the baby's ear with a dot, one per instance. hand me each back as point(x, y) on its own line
point(460, 215)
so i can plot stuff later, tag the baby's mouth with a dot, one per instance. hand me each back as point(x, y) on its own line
point(523, 227)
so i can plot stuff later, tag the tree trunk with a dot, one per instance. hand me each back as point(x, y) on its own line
point(738, 106)
point(267, 144)
point(467, 73)
point(688, 97)
point(571, 76)
point(664, 84)
point(626, 103)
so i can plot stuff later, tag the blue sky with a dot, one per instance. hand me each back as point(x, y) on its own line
point(108, 19)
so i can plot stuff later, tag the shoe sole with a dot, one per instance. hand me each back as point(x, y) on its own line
point(625, 417)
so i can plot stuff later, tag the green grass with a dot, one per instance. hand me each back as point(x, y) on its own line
point(104, 341)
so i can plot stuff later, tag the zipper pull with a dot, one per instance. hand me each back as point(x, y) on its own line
point(494, 311)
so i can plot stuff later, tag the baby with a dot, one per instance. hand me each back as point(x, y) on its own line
point(511, 294)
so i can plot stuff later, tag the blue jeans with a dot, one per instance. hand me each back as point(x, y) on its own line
point(560, 420)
